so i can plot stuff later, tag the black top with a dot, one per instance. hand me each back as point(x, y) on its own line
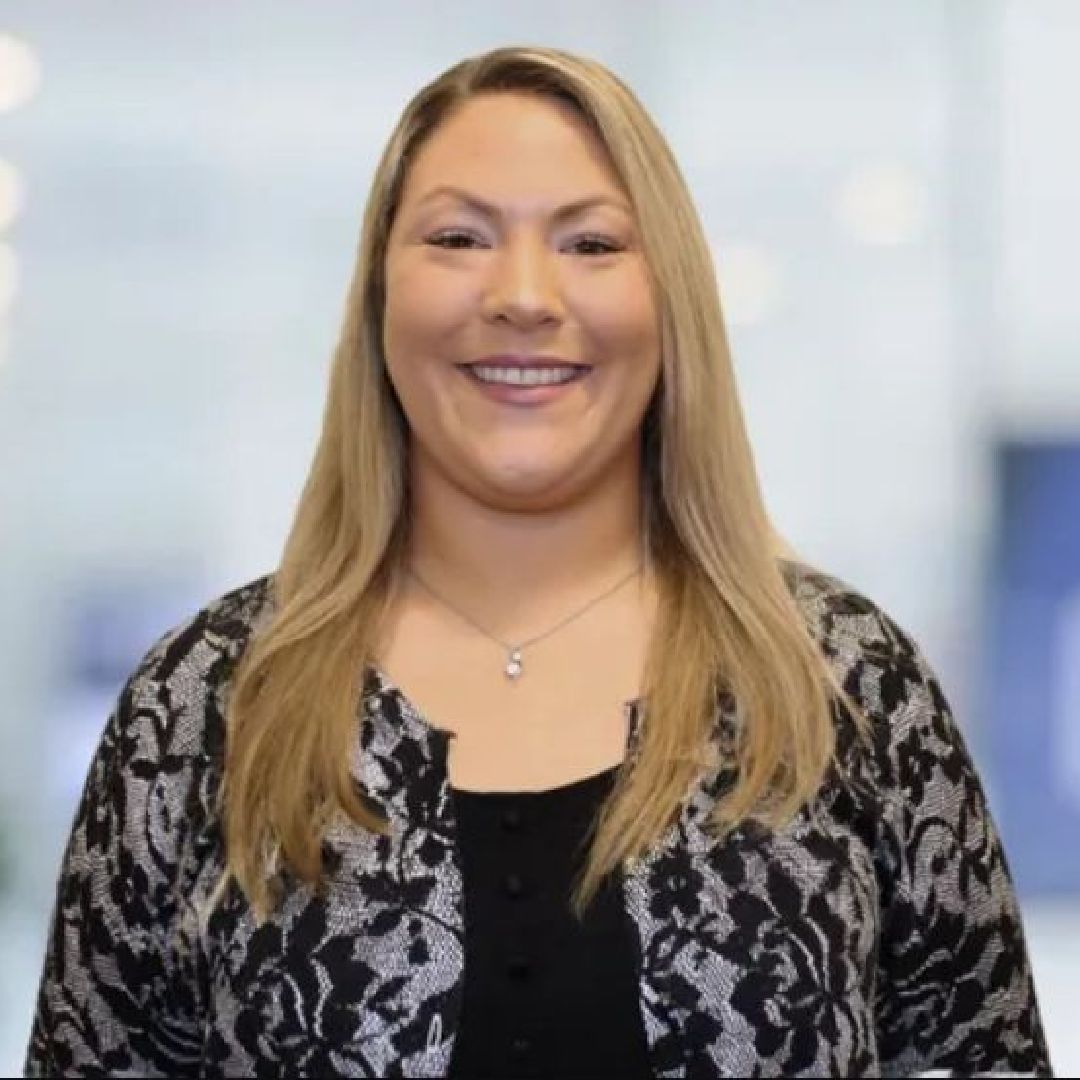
point(545, 994)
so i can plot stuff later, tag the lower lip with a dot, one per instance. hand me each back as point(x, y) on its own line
point(510, 394)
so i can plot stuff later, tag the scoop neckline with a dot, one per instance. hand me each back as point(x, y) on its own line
point(527, 793)
point(385, 684)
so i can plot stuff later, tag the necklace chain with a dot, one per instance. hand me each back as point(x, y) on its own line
point(514, 665)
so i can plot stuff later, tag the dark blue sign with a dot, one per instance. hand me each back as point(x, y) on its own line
point(1032, 684)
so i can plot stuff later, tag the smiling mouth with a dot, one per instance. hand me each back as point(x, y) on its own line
point(552, 374)
point(505, 390)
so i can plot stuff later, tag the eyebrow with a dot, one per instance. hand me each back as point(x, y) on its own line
point(567, 210)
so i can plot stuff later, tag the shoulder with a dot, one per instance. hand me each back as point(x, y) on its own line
point(879, 664)
point(201, 647)
point(173, 700)
point(846, 622)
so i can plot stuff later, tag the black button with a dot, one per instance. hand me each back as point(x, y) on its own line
point(511, 819)
point(514, 885)
point(521, 1045)
point(519, 968)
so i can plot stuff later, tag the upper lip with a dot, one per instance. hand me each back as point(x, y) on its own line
point(523, 361)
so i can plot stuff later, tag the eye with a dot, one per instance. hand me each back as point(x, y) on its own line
point(596, 245)
point(454, 239)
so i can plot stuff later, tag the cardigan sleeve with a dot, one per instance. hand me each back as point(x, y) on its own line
point(117, 995)
point(955, 994)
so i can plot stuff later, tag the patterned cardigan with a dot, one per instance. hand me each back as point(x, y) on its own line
point(878, 935)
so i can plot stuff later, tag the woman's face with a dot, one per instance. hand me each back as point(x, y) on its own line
point(514, 238)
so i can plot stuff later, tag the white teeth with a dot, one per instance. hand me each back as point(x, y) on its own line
point(524, 376)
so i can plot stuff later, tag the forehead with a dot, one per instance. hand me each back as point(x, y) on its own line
point(515, 141)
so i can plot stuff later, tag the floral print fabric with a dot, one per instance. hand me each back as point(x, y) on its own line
point(878, 934)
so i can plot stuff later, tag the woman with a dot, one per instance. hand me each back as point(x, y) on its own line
point(535, 756)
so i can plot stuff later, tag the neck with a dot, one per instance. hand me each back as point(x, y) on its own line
point(515, 573)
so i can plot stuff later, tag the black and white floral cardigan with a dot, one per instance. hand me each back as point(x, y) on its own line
point(880, 936)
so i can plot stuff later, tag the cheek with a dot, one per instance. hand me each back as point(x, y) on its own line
point(623, 317)
point(422, 309)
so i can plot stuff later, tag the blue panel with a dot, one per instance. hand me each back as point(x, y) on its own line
point(1031, 692)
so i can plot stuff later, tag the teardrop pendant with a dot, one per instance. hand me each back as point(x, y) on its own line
point(513, 666)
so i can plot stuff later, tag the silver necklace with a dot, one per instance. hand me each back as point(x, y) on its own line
point(514, 666)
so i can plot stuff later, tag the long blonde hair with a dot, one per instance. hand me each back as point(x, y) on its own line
point(727, 622)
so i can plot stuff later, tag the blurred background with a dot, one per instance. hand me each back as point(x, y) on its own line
point(892, 199)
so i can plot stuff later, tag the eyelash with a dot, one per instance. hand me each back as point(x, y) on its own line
point(609, 246)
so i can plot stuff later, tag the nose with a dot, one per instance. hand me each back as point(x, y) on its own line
point(523, 288)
